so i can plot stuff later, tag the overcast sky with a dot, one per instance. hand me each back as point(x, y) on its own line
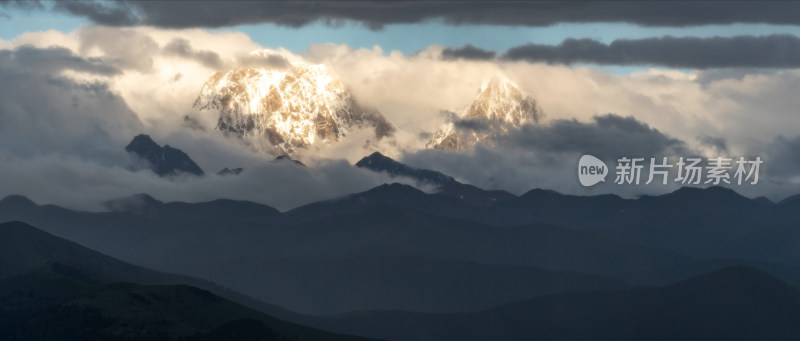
point(79, 79)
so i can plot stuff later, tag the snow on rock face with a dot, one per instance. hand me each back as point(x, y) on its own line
point(290, 109)
point(500, 107)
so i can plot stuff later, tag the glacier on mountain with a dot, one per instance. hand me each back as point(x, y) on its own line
point(499, 107)
point(289, 109)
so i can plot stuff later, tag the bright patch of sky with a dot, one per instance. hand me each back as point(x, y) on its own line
point(410, 38)
point(16, 22)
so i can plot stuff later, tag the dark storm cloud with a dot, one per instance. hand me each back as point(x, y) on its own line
point(44, 113)
point(468, 52)
point(102, 12)
point(774, 51)
point(545, 156)
point(782, 160)
point(608, 136)
point(183, 48)
point(376, 14)
point(52, 60)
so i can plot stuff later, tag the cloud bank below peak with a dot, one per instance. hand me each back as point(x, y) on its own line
point(102, 100)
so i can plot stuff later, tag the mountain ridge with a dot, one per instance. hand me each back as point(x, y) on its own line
point(734, 303)
point(165, 161)
point(444, 184)
point(287, 110)
point(499, 108)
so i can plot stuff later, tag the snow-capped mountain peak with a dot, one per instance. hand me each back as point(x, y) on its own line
point(502, 100)
point(288, 109)
point(499, 107)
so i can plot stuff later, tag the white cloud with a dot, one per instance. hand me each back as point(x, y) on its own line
point(82, 184)
point(157, 90)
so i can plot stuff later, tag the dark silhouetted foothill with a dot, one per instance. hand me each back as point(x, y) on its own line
point(379, 163)
point(446, 185)
point(288, 158)
point(230, 171)
point(734, 303)
point(164, 161)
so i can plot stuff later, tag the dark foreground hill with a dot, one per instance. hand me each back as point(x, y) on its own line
point(24, 248)
point(736, 303)
point(444, 185)
point(325, 286)
point(61, 302)
point(165, 161)
point(44, 276)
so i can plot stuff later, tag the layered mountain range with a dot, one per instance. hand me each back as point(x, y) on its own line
point(399, 264)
